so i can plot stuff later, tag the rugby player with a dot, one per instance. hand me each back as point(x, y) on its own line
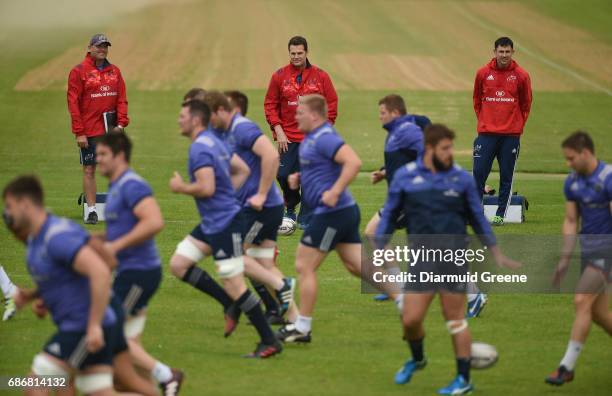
point(261, 201)
point(215, 174)
point(403, 144)
point(194, 94)
point(588, 194)
point(133, 218)
point(437, 197)
point(73, 282)
point(328, 165)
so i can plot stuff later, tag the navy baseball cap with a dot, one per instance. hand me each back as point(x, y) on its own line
point(98, 39)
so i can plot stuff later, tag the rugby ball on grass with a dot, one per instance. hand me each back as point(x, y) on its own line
point(483, 355)
point(287, 227)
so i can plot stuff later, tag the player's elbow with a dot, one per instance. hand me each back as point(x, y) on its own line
point(157, 224)
point(356, 164)
point(205, 191)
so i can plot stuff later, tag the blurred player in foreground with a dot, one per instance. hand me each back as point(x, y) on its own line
point(133, 218)
point(73, 283)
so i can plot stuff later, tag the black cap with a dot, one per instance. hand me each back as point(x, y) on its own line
point(98, 39)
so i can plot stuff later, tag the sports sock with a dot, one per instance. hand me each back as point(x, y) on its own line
point(270, 303)
point(91, 208)
point(463, 368)
point(249, 304)
point(399, 303)
point(416, 347)
point(303, 324)
point(8, 288)
point(161, 372)
point(571, 355)
point(200, 279)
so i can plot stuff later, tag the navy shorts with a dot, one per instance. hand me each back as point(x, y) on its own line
point(120, 340)
point(289, 160)
point(262, 225)
point(399, 222)
point(70, 347)
point(326, 230)
point(88, 155)
point(134, 288)
point(224, 244)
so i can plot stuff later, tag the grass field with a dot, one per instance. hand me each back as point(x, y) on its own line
point(427, 51)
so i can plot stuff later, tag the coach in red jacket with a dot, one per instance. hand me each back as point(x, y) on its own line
point(95, 87)
point(298, 78)
point(502, 100)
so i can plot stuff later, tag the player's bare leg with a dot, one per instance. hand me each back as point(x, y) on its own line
point(54, 367)
point(350, 254)
point(391, 291)
point(127, 377)
point(169, 379)
point(602, 316)
point(590, 287)
point(307, 261)
point(453, 310)
point(370, 228)
point(89, 189)
point(248, 303)
point(183, 265)
point(265, 255)
point(283, 287)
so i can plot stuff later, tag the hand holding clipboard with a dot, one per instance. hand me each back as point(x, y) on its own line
point(110, 122)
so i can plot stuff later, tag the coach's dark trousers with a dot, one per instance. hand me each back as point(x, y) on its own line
point(506, 149)
point(290, 163)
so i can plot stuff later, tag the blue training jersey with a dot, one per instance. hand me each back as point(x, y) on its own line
point(123, 195)
point(593, 195)
point(435, 203)
point(218, 210)
point(65, 292)
point(242, 135)
point(319, 171)
point(404, 144)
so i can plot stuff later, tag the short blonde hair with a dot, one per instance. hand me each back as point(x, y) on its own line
point(315, 103)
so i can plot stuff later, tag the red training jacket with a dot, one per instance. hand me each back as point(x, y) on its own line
point(283, 93)
point(502, 98)
point(92, 92)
